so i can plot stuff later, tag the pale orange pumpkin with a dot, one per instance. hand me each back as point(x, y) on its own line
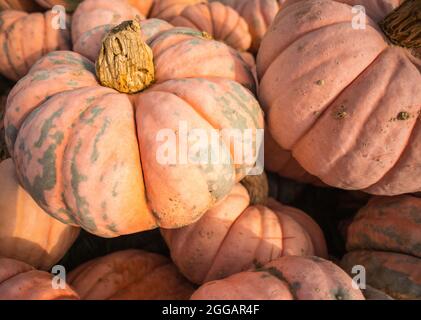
point(4, 91)
point(28, 233)
point(345, 100)
point(287, 278)
point(130, 275)
point(258, 14)
point(66, 132)
point(169, 9)
point(95, 13)
point(20, 281)
point(19, 54)
point(219, 21)
point(234, 236)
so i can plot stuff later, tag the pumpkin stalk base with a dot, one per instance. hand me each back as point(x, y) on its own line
point(257, 187)
point(125, 62)
point(403, 25)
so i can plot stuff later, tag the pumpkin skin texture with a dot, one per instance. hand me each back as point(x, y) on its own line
point(385, 238)
point(130, 275)
point(258, 14)
point(347, 108)
point(287, 278)
point(27, 233)
point(22, 5)
point(234, 236)
point(18, 53)
point(283, 163)
point(20, 281)
point(94, 13)
point(169, 9)
point(4, 91)
point(75, 158)
point(219, 21)
point(69, 5)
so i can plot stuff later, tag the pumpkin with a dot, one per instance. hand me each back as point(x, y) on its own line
point(69, 5)
point(235, 235)
point(23, 5)
point(385, 238)
point(20, 281)
point(18, 53)
point(95, 13)
point(286, 278)
point(168, 9)
point(144, 6)
point(221, 22)
point(88, 154)
point(27, 233)
point(345, 101)
point(130, 275)
point(258, 14)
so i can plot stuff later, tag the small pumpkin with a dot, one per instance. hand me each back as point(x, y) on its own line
point(95, 13)
point(385, 238)
point(219, 21)
point(65, 130)
point(258, 14)
point(69, 5)
point(346, 101)
point(27, 233)
point(130, 275)
point(286, 278)
point(20, 281)
point(22, 5)
point(19, 54)
point(235, 235)
point(169, 9)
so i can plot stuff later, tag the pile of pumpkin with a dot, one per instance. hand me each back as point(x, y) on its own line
point(81, 106)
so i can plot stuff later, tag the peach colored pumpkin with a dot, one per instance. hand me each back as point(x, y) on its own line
point(95, 13)
point(23, 5)
point(80, 171)
point(18, 54)
point(234, 236)
point(219, 21)
point(27, 233)
point(130, 275)
point(385, 238)
point(258, 14)
point(20, 281)
point(144, 6)
point(168, 9)
point(69, 5)
point(343, 100)
point(287, 278)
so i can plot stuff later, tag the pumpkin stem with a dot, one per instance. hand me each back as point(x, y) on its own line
point(403, 25)
point(125, 62)
point(257, 187)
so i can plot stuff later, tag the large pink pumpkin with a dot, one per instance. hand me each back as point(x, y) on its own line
point(344, 100)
